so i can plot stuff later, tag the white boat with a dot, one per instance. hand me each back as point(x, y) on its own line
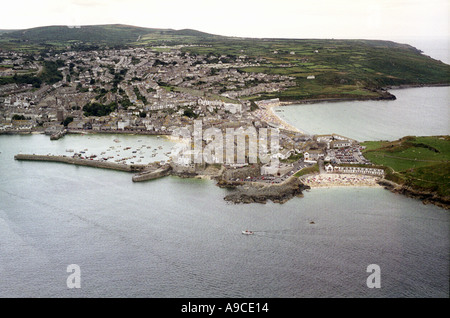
point(247, 232)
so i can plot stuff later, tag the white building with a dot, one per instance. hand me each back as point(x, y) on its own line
point(312, 156)
point(232, 108)
point(355, 170)
point(122, 124)
point(340, 143)
point(329, 168)
point(275, 169)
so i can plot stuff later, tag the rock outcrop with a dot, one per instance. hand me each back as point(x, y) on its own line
point(426, 196)
point(261, 193)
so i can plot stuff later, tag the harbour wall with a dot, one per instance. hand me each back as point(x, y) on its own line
point(82, 162)
point(151, 175)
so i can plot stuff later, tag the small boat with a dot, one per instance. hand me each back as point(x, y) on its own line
point(247, 232)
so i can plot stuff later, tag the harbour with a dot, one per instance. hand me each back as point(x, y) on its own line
point(53, 215)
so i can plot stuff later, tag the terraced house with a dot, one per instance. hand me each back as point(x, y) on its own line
point(354, 170)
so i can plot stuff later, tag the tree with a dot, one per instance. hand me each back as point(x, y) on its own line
point(97, 109)
point(67, 121)
point(190, 113)
point(18, 117)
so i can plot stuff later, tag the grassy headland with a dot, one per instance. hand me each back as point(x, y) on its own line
point(422, 163)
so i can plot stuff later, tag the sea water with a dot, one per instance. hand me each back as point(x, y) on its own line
point(175, 237)
point(416, 111)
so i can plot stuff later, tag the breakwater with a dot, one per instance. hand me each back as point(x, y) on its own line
point(151, 175)
point(82, 162)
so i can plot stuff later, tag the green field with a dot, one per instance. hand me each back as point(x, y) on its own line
point(342, 68)
point(307, 170)
point(421, 162)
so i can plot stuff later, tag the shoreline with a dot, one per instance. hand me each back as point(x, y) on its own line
point(426, 197)
point(119, 132)
point(90, 132)
point(360, 98)
point(257, 193)
point(268, 111)
point(415, 86)
point(269, 116)
point(389, 96)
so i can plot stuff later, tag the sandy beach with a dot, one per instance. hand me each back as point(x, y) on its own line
point(268, 115)
point(340, 180)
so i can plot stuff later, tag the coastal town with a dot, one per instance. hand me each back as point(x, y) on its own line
point(157, 91)
point(221, 157)
point(137, 89)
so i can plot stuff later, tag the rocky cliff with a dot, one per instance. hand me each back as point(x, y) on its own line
point(278, 193)
point(427, 197)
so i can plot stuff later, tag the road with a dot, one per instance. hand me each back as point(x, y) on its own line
point(321, 166)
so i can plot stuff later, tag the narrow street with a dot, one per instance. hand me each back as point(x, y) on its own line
point(321, 166)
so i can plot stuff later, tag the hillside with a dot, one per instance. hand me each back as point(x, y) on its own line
point(108, 34)
point(342, 69)
point(420, 163)
point(59, 37)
